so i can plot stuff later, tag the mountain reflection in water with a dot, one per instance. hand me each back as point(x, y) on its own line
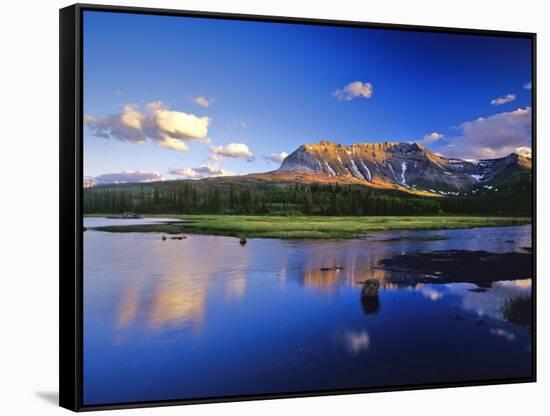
point(205, 316)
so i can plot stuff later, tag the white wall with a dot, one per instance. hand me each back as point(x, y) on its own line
point(29, 174)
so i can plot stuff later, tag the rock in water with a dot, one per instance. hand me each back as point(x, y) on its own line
point(370, 300)
point(370, 287)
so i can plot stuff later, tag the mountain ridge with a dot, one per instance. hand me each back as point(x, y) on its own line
point(405, 166)
point(330, 179)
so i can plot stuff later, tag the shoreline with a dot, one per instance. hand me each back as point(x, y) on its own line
point(312, 227)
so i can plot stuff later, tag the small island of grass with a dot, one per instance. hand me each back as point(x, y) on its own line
point(309, 227)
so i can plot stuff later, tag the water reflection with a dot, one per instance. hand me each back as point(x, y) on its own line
point(522, 283)
point(328, 269)
point(236, 288)
point(489, 302)
point(323, 278)
point(370, 301)
point(357, 342)
point(207, 316)
point(429, 292)
point(507, 335)
point(177, 300)
point(129, 305)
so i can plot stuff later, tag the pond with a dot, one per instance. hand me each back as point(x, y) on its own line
point(206, 317)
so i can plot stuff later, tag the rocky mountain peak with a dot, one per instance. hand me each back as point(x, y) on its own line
point(399, 165)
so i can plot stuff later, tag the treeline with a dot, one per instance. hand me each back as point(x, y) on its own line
point(187, 197)
point(504, 204)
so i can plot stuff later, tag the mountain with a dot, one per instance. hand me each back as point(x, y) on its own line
point(332, 179)
point(408, 167)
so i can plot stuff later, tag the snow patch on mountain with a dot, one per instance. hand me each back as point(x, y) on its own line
point(332, 172)
point(354, 167)
point(367, 169)
point(414, 165)
point(392, 171)
point(437, 164)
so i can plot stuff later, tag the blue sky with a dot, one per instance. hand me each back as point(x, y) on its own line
point(194, 97)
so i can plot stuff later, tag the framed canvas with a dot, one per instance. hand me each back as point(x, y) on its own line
point(255, 207)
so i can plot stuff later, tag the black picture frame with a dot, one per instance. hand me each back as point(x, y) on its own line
point(71, 192)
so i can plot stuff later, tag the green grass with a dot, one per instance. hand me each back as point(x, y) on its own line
point(301, 227)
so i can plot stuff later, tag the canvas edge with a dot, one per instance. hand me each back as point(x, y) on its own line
point(71, 160)
point(70, 230)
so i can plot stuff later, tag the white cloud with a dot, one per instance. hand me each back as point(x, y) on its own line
point(132, 118)
point(276, 157)
point(353, 90)
point(157, 122)
point(177, 124)
point(125, 126)
point(130, 176)
point(432, 137)
point(237, 124)
point(524, 151)
point(88, 182)
point(494, 136)
point(234, 150)
point(174, 144)
point(504, 99)
point(528, 86)
point(203, 101)
point(200, 172)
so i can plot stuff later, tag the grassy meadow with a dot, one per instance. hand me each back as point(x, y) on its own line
point(311, 227)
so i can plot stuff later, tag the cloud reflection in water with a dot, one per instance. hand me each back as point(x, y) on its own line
point(357, 342)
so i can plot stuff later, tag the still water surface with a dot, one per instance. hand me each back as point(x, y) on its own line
point(206, 317)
